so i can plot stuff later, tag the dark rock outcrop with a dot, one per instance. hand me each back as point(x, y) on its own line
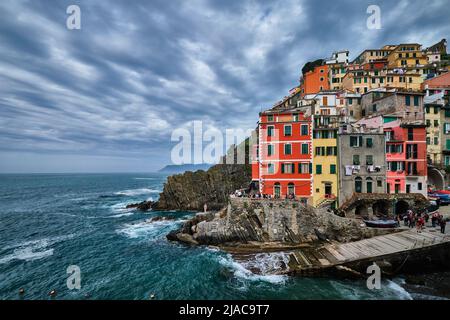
point(191, 190)
point(143, 206)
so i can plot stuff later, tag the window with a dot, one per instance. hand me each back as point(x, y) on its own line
point(288, 168)
point(303, 168)
point(427, 109)
point(271, 168)
point(332, 169)
point(428, 141)
point(436, 110)
point(428, 123)
point(358, 185)
point(356, 141)
point(287, 130)
point(410, 134)
point(374, 108)
point(369, 142)
point(270, 118)
point(369, 160)
point(296, 117)
point(287, 149)
point(416, 98)
point(304, 129)
point(419, 186)
point(305, 148)
point(319, 169)
point(379, 183)
point(436, 141)
point(408, 100)
point(350, 101)
point(270, 131)
point(356, 161)
point(436, 123)
point(446, 128)
point(369, 185)
point(270, 149)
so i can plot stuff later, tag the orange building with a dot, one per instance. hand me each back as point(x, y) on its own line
point(315, 81)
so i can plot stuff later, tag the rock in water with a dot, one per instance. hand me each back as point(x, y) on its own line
point(143, 206)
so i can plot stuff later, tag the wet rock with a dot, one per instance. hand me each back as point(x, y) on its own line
point(416, 280)
point(142, 206)
point(161, 218)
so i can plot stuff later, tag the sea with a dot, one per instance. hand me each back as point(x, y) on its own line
point(50, 223)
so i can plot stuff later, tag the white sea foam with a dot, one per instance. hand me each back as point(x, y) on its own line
point(399, 290)
point(33, 250)
point(267, 264)
point(137, 192)
point(147, 230)
point(120, 215)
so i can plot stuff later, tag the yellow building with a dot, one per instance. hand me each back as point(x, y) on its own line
point(325, 168)
point(434, 118)
point(336, 75)
point(407, 55)
point(409, 80)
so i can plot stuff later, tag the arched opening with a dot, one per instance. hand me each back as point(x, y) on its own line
point(291, 189)
point(358, 185)
point(361, 211)
point(401, 207)
point(369, 185)
point(381, 208)
point(435, 178)
point(277, 190)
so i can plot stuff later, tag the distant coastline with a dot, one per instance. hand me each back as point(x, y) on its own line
point(184, 167)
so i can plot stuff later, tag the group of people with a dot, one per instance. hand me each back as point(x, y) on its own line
point(418, 220)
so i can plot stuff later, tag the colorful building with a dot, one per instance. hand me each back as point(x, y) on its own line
point(405, 104)
point(406, 153)
point(315, 80)
point(325, 167)
point(283, 162)
point(362, 161)
point(406, 156)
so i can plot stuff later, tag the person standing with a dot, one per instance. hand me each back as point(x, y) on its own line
point(205, 208)
point(442, 224)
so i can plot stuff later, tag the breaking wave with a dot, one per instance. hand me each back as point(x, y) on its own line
point(136, 192)
point(147, 230)
point(33, 250)
point(261, 267)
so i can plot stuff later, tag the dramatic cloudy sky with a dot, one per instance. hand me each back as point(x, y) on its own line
point(107, 97)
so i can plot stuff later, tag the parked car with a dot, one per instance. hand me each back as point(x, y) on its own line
point(444, 198)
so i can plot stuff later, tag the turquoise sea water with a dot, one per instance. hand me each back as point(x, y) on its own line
point(49, 222)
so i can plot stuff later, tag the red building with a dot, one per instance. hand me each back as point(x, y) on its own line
point(406, 156)
point(283, 159)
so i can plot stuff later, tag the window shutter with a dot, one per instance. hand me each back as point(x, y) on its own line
point(293, 167)
point(282, 168)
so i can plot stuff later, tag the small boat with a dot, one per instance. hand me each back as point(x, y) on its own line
point(381, 223)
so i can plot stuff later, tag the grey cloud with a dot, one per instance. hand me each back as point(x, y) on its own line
point(137, 70)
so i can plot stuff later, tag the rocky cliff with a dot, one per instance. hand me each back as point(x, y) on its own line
point(264, 221)
point(191, 190)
